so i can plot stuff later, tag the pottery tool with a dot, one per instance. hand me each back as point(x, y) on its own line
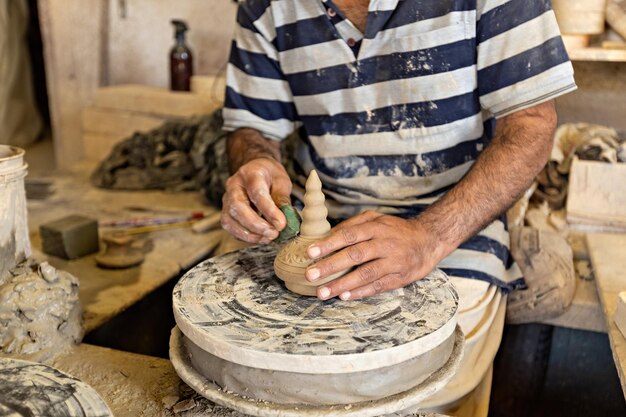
point(155, 228)
point(211, 222)
point(237, 325)
point(293, 224)
point(151, 221)
point(121, 252)
point(70, 237)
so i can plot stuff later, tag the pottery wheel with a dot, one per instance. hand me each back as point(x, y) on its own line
point(235, 308)
point(250, 407)
point(37, 390)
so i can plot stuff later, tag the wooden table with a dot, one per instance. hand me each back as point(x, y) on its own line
point(585, 312)
point(608, 256)
point(136, 385)
point(104, 293)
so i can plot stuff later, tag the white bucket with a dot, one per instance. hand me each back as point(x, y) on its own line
point(14, 240)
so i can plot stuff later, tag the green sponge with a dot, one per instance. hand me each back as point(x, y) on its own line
point(293, 224)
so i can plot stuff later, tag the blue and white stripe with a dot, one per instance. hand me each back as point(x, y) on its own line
point(393, 117)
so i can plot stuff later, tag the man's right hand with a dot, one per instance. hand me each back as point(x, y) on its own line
point(253, 196)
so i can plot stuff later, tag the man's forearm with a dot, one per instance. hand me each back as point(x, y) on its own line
point(503, 171)
point(258, 186)
point(244, 145)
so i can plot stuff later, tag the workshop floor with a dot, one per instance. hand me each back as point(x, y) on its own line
point(543, 371)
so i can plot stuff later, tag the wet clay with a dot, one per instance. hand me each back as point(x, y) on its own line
point(40, 313)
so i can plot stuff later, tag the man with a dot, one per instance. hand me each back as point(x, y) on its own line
point(425, 120)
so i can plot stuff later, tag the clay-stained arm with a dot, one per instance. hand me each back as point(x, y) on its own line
point(245, 145)
point(258, 186)
point(390, 252)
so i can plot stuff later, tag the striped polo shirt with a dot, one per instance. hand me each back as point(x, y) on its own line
point(393, 117)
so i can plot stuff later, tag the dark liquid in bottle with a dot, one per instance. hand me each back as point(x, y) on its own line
point(181, 69)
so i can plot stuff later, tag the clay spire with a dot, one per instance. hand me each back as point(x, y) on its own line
point(292, 259)
point(314, 223)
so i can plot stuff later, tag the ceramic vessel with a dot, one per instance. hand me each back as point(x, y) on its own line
point(292, 259)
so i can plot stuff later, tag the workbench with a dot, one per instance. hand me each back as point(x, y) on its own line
point(136, 385)
point(608, 256)
point(104, 293)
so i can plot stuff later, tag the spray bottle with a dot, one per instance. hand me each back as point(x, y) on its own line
point(181, 59)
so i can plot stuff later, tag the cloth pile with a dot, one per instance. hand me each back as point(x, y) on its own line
point(583, 141)
point(185, 155)
point(182, 155)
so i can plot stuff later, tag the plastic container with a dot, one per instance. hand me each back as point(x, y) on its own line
point(14, 239)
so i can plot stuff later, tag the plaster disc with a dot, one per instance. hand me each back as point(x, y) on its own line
point(33, 389)
point(234, 307)
point(249, 406)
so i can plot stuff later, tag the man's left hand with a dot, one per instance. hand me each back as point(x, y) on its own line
point(387, 252)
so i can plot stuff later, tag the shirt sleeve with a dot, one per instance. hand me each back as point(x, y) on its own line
point(521, 59)
point(257, 94)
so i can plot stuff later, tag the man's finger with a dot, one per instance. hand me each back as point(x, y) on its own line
point(341, 238)
point(281, 190)
point(351, 256)
point(387, 283)
point(239, 232)
point(364, 275)
point(364, 217)
point(251, 221)
point(258, 192)
point(237, 206)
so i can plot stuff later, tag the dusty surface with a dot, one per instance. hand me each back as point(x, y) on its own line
point(40, 315)
point(607, 256)
point(106, 293)
point(33, 389)
point(136, 385)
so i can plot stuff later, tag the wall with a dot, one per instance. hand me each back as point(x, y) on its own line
point(140, 37)
point(88, 44)
point(73, 37)
point(600, 98)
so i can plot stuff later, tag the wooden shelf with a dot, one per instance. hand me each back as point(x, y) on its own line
point(597, 54)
